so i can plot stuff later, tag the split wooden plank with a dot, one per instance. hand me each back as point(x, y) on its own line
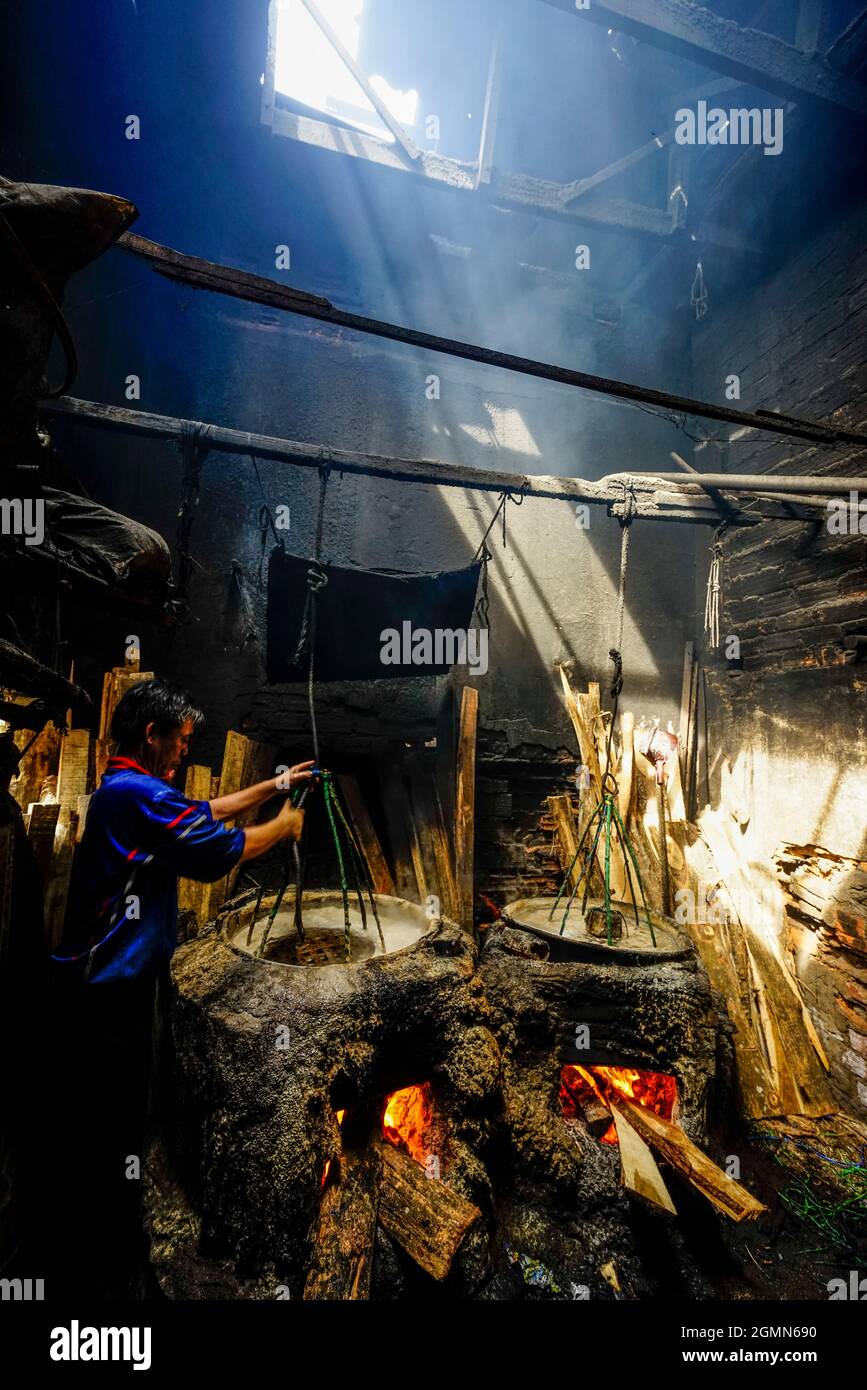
point(115, 685)
point(193, 896)
point(755, 1082)
point(627, 762)
point(676, 1148)
point(567, 835)
point(794, 1041)
point(638, 1170)
point(343, 1247)
point(40, 763)
point(56, 887)
point(447, 755)
point(426, 1218)
point(683, 733)
point(585, 735)
point(260, 760)
point(236, 753)
point(365, 833)
point(73, 776)
point(408, 872)
point(41, 829)
point(433, 845)
point(465, 805)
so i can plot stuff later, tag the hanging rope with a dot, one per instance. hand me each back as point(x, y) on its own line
point(712, 598)
point(266, 523)
point(605, 817)
point(698, 293)
point(481, 611)
point(316, 580)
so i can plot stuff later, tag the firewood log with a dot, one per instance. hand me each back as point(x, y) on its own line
point(426, 1218)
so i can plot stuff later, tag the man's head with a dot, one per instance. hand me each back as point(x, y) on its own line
point(153, 723)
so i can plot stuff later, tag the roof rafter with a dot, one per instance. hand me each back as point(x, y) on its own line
point(693, 32)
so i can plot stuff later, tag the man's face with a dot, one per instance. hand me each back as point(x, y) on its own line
point(166, 752)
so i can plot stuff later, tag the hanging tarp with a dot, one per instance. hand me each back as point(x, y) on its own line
point(427, 613)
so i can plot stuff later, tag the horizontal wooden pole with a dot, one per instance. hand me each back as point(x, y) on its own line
point(683, 500)
point(258, 289)
point(773, 482)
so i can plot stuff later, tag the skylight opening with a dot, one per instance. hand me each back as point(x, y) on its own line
point(308, 70)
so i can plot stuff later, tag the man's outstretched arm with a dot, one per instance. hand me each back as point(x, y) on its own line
point(225, 807)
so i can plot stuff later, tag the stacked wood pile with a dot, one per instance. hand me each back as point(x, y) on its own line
point(430, 815)
point(641, 806)
point(825, 897)
point(56, 779)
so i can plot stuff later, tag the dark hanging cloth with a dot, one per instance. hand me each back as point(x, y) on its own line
point(353, 608)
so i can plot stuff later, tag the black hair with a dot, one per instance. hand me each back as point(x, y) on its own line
point(152, 702)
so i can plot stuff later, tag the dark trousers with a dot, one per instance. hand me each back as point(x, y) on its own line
point(100, 1045)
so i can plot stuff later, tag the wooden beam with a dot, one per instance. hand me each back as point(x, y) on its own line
point(489, 115)
point(507, 192)
point(402, 139)
point(465, 805)
point(685, 502)
point(848, 52)
point(690, 31)
point(575, 190)
point(239, 284)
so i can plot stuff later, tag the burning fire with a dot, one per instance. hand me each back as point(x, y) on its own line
point(580, 1085)
point(407, 1119)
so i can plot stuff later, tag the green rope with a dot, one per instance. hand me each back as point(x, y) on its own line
point(608, 869)
point(362, 872)
point(587, 868)
point(344, 888)
point(627, 845)
point(829, 1216)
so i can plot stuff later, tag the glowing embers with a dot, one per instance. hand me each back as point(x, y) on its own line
point(407, 1122)
point(586, 1092)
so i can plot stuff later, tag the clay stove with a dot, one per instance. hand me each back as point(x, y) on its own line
point(305, 1089)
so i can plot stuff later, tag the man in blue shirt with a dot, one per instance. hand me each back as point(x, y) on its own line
point(141, 834)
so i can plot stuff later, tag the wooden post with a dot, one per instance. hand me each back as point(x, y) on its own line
point(193, 896)
point(72, 779)
point(465, 805)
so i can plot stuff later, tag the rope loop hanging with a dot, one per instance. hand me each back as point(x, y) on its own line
point(712, 597)
point(485, 555)
point(266, 524)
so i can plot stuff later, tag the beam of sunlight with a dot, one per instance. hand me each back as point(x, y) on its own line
point(307, 69)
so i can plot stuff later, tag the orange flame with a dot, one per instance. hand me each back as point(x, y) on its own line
point(652, 1089)
point(407, 1119)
